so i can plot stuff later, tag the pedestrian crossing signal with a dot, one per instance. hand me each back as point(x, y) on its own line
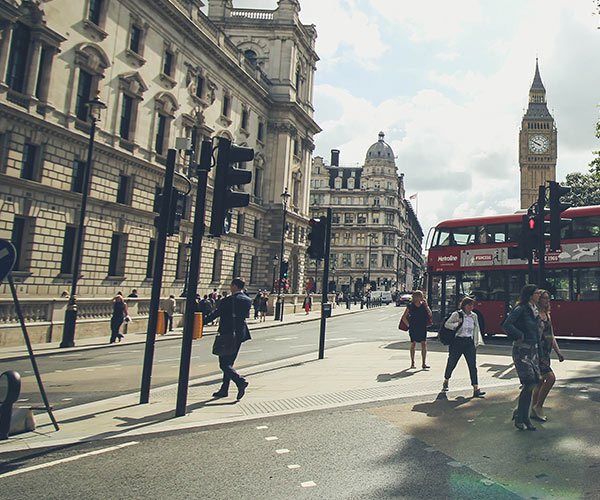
point(317, 236)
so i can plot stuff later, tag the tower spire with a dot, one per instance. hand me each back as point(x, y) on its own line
point(537, 79)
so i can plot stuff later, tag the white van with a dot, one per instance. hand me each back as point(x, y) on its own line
point(385, 296)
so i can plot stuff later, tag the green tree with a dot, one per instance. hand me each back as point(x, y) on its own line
point(585, 188)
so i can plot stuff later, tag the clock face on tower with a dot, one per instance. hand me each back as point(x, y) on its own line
point(539, 144)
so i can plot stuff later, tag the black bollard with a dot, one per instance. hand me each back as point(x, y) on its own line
point(10, 388)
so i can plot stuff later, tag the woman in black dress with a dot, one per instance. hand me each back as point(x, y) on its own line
point(418, 317)
point(118, 315)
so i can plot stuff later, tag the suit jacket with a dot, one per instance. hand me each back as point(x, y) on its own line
point(239, 302)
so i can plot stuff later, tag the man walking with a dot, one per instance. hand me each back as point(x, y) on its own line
point(170, 310)
point(256, 303)
point(233, 311)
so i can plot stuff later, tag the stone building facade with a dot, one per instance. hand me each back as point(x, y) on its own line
point(375, 235)
point(537, 143)
point(165, 69)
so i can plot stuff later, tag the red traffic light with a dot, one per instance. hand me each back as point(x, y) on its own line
point(532, 223)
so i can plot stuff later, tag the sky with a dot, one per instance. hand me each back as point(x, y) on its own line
point(448, 83)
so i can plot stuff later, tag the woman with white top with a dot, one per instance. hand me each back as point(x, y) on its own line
point(465, 343)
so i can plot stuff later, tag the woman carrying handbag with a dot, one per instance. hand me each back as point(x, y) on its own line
point(416, 319)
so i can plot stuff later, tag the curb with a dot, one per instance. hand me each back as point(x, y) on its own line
point(161, 338)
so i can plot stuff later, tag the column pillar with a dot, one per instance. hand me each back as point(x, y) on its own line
point(7, 32)
point(34, 64)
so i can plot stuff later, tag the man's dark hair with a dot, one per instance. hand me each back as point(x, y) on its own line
point(238, 283)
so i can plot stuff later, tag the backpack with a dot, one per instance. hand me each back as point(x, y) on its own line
point(446, 335)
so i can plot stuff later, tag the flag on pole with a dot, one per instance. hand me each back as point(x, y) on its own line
point(413, 197)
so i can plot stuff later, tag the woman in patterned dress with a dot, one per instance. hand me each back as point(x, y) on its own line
point(547, 344)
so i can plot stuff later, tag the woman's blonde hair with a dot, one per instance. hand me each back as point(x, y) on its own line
point(547, 308)
point(417, 294)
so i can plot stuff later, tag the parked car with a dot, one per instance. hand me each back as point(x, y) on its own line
point(404, 299)
point(384, 295)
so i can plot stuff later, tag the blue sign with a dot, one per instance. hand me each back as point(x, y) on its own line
point(8, 258)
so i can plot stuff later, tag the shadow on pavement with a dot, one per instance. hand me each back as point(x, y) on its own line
point(387, 377)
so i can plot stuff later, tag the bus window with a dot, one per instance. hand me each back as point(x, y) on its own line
point(481, 236)
point(445, 238)
point(451, 294)
point(430, 242)
point(434, 298)
point(557, 284)
point(496, 279)
point(516, 281)
point(495, 233)
point(464, 235)
point(513, 231)
point(474, 285)
point(587, 283)
point(586, 227)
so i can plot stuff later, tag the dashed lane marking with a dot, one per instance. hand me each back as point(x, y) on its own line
point(261, 427)
point(271, 438)
point(278, 339)
point(282, 451)
point(308, 484)
point(167, 360)
point(65, 460)
point(293, 466)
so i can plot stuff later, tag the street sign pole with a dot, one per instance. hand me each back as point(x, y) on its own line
point(159, 261)
point(190, 300)
point(542, 238)
point(325, 286)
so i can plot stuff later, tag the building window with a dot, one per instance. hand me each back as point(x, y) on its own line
point(348, 218)
point(359, 259)
point(253, 269)
point(245, 114)
point(84, 94)
point(261, 131)
point(135, 39)
point(388, 239)
point(338, 183)
point(159, 144)
point(150, 261)
point(68, 250)
point(240, 223)
point(389, 219)
point(157, 203)
point(296, 147)
point(124, 190)
point(199, 86)
point(78, 178)
point(118, 253)
point(17, 61)
point(256, 232)
point(181, 264)
point(226, 105)
point(388, 261)
point(168, 63)
point(30, 162)
point(346, 260)
point(126, 112)
point(250, 56)
point(258, 183)
point(374, 259)
point(335, 218)
point(362, 218)
point(237, 265)
point(216, 269)
point(22, 239)
point(95, 11)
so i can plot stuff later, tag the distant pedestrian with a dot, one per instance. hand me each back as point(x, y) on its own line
point(233, 311)
point(256, 304)
point(133, 294)
point(522, 327)
point(417, 316)
point(307, 303)
point(170, 304)
point(118, 316)
point(64, 295)
point(264, 303)
point(547, 345)
point(465, 343)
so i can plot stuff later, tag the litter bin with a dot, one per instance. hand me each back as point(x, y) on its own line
point(161, 322)
point(197, 325)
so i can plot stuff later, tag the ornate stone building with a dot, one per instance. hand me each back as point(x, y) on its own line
point(537, 143)
point(164, 69)
point(375, 235)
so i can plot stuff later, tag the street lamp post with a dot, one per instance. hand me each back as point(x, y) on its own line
point(95, 107)
point(275, 260)
point(371, 236)
point(285, 196)
point(188, 252)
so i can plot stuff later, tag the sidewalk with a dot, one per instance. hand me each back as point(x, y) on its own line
point(351, 374)
point(20, 352)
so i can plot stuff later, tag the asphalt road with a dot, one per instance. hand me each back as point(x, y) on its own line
point(335, 454)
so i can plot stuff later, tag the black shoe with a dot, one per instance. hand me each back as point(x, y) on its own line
point(529, 425)
point(445, 386)
point(478, 393)
point(242, 390)
point(219, 394)
point(518, 424)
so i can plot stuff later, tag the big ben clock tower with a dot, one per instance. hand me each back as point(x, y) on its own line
point(537, 143)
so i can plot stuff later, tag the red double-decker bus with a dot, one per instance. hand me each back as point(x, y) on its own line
point(470, 257)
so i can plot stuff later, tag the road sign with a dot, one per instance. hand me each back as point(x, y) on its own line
point(8, 258)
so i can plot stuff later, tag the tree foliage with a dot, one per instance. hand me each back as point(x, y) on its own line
point(585, 188)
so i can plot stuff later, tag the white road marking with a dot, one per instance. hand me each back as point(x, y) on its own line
point(261, 427)
point(508, 370)
point(251, 350)
point(303, 345)
point(342, 338)
point(293, 466)
point(67, 399)
point(167, 360)
point(65, 460)
point(271, 438)
point(22, 400)
point(308, 484)
point(282, 451)
point(285, 338)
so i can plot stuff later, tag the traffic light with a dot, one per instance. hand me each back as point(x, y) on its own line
point(317, 235)
point(176, 212)
point(227, 176)
point(528, 236)
point(557, 207)
point(284, 269)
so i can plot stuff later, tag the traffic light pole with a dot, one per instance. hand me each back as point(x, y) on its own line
point(192, 285)
point(159, 261)
point(325, 286)
point(542, 239)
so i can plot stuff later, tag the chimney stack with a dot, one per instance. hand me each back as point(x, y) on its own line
point(335, 157)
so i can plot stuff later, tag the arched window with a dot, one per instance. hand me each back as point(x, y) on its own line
point(92, 61)
point(251, 56)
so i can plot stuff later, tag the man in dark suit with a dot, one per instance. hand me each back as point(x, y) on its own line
point(233, 311)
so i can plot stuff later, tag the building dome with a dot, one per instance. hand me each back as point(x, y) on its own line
point(381, 150)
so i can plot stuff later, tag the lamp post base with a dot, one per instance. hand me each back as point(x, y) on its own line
point(68, 339)
point(278, 310)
